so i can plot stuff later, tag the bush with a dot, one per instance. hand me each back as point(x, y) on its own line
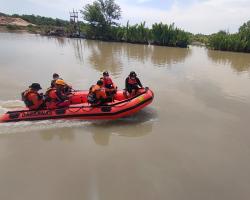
point(13, 27)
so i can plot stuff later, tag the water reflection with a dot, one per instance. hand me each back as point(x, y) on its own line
point(60, 41)
point(78, 49)
point(138, 125)
point(113, 56)
point(135, 126)
point(103, 138)
point(168, 55)
point(105, 56)
point(238, 61)
point(140, 53)
point(63, 134)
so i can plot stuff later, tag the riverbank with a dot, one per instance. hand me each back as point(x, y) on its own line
point(20, 29)
point(16, 24)
point(159, 34)
point(14, 21)
point(34, 24)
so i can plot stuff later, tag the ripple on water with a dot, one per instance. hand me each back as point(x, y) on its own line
point(25, 126)
point(9, 105)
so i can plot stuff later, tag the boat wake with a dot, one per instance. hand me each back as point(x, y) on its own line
point(144, 116)
point(10, 105)
point(28, 126)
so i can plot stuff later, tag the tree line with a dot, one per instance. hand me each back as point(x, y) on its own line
point(101, 22)
point(101, 19)
point(239, 42)
point(102, 16)
point(43, 21)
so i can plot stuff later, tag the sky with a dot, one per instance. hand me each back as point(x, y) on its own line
point(196, 16)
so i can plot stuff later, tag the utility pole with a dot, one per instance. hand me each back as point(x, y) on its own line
point(74, 21)
point(74, 16)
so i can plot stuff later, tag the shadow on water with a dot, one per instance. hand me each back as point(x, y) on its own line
point(238, 61)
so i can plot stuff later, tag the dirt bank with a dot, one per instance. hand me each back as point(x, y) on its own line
point(13, 21)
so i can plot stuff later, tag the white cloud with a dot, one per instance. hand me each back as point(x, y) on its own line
point(197, 16)
point(143, 1)
point(207, 16)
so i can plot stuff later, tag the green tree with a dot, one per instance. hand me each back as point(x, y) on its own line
point(244, 32)
point(232, 42)
point(101, 16)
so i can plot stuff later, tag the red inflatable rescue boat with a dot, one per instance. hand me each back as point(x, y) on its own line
point(79, 109)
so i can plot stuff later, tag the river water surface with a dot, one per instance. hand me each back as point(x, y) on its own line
point(191, 143)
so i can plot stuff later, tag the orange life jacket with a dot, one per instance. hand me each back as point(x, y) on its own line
point(107, 81)
point(51, 94)
point(32, 99)
point(51, 98)
point(132, 81)
point(25, 97)
point(98, 91)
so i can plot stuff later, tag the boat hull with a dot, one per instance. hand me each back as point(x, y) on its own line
point(81, 110)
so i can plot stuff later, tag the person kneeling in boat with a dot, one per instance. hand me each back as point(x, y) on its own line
point(109, 85)
point(132, 83)
point(32, 99)
point(67, 87)
point(97, 94)
point(56, 96)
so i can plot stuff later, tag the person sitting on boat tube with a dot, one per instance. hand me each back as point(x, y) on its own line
point(56, 97)
point(97, 94)
point(111, 88)
point(32, 99)
point(67, 87)
point(132, 83)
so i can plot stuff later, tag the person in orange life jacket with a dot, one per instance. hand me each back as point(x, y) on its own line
point(32, 99)
point(55, 97)
point(97, 94)
point(132, 83)
point(107, 81)
point(111, 88)
point(67, 88)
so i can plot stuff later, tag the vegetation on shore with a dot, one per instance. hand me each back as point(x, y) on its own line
point(102, 16)
point(42, 21)
point(41, 25)
point(199, 39)
point(239, 42)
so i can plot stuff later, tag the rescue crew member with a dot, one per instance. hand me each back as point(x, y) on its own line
point(111, 88)
point(55, 97)
point(107, 81)
point(97, 94)
point(53, 82)
point(67, 87)
point(32, 99)
point(132, 83)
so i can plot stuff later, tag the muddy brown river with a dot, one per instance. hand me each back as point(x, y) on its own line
point(191, 143)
